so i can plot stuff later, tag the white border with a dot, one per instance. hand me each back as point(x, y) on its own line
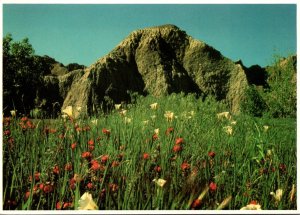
point(150, 2)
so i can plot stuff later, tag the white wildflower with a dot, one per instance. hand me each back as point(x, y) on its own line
point(169, 116)
point(118, 106)
point(86, 202)
point(160, 182)
point(223, 115)
point(154, 106)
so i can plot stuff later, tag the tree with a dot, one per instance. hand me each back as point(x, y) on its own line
point(21, 75)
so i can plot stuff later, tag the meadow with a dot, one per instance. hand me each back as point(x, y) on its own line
point(171, 153)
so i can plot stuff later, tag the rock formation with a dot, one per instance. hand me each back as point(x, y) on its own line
point(159, 61)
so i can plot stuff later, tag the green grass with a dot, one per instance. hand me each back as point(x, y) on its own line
point(241, 167)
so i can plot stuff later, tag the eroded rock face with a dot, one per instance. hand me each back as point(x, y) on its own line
point(159, 61)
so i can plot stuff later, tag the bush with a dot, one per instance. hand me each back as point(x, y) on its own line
point(253, 103)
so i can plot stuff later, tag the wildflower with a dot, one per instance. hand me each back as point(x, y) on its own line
point(160, 182)
point(94, 121)
point(96, 166)
point(67, 205)
point(146, 156)
point(118, 106)
point(233, 123)
point(228, 129)
point(185, 166)
point(127, 120)
point(27, 195)
point(113, 187)
point(154, 106)
point(91, 148)
point(292, 193)
point(212, 186)
point(177, 148)
point(196, 204)
point(154, 136)
point(56, 170)
point(156, 131)
point(282, 168)
point(153, 117)
point(48, 188)
point(106, 132)
point(87, 155)
point(266, 128)
point(73, 145)
point(58, 206)
point(179, 141)
point(157, 169)
point(90, 185)
point(86, 202)
point(7, 133)
point(104, 159)
point(37, 176)
point(211, 154)
point(224, 203)
point(278, 195)
point(252, 206)
point(223, 115)
point(169, 131)
point(68, 110)
point(91, 142)
point(13, 113)
point(123, 112)
point(169, 116)
point(145, 122)
point(68, 167)
point(115, 163)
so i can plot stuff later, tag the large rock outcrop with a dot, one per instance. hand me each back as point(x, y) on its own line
point(159, 61)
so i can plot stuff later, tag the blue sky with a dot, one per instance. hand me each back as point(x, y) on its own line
point(84, 33)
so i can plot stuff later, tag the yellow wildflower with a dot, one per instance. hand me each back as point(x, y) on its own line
point(118, 106)
point(228, 130)
point(223, 115)
point(160, 182)
point(169, 116)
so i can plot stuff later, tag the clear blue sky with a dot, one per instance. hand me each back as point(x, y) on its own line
point(84, 33)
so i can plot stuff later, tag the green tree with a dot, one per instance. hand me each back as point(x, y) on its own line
point(281, 96)
point(21, 75)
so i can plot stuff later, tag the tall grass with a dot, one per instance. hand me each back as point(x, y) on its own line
point(47, 167)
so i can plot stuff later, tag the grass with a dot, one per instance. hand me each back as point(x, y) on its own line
point(47, 165)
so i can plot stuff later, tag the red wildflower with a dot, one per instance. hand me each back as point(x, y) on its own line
point(72, 183)
point(179, 141)
point(169, 131)
point(37, 176)
point(41, 186)
point(67, 205)
point(91, 148)
point(24, 118)
point(155, 136)
point(282, 167)
point(27, 195)
point(106, 132)
point(7, 133)
point(113, 187)
point(157, 169)
point(96, 166)
point(86, 155)
point(104, 159)
point(115, 163)
point(91, 142)
point(68, 167)
point(73, 145)
point(86, 128)
point(211, 154)
point(177, 148)
point(253, 202)
point(146, 156)
point(212, 186)
point(56, 170)
point(196, 204)
point(48, 188)
point(185, 166)
point(90, 185)
point(58, 206)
